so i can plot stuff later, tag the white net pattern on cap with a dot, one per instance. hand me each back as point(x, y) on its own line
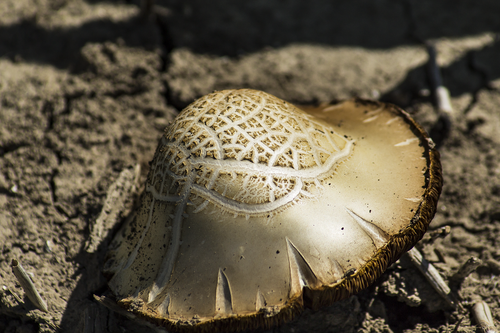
point(245, 151)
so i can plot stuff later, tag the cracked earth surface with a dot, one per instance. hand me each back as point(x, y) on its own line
point(86, 88)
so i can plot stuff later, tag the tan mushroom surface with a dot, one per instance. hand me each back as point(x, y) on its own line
point(254, 208)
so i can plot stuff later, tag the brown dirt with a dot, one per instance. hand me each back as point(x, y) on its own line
point(86, 88)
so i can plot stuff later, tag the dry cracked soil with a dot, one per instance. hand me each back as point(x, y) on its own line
point(87, 87)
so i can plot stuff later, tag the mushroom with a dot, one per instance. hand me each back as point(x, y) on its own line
point(254, 208)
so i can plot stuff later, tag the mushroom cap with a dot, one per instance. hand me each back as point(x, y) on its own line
point(254, 208)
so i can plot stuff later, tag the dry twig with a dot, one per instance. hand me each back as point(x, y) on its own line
point(28, 286)
point(442, 127)
point(470, 265)
point(482, 315)
point(118, 194)
point(433, 276)
point(441, 93)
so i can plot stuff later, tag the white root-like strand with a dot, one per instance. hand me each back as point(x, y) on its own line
point(28, 286)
